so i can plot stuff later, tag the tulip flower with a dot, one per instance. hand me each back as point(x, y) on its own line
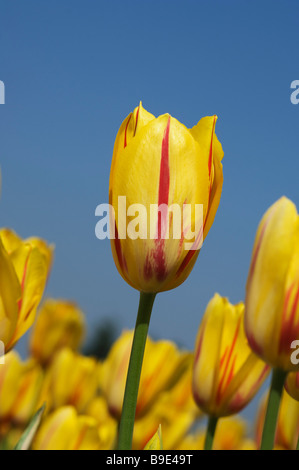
point(287, 429)
point(160, 161)
point(163, 365)
point(107, 425)
point(174, 409)
point(292, 385)
point(226, 373)
point(24, 267)
point(231, 434)
point(20, 388)
point(71, 379)
point(272, 294)
point(159, 169)
point(59, 324)
point(64, 429)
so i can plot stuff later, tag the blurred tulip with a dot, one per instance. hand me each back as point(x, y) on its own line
point(71, 379)
point(65, 430)
point(231, 434)
point(59, 324)
point(272, 292)
point(107, 425)
point(163, 365)
point(287, 430)
point(20, 388)
point(160, 161)
point(292, 385)
point(226, 374)
point(24, 270)
point(174, 409)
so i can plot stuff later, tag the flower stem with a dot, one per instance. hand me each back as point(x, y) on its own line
point(126, 426)
point(278, 379)
point(212, 424)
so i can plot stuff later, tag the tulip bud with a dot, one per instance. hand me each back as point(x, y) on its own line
point(24, 271)
point(272, 291)
point(287, 428)
point(65, 430)
point(231, 434)
point(163, 364)
point(163, 172)
point(292, 385)
point(59, 324)
point(226, 373)
point(71, 380)
point(20, 388)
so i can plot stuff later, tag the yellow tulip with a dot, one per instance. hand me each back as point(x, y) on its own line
point(287, 429)
point(174, 409)
point(20, 388)
point(24, 267)
point(231, 434)
point(65, 430)
point(292, 385)
point(159, 161)
point(59, 324)
point(163, 365)
point(272, 292)
point(71, 379)
point(226, 373)
point(107, 425)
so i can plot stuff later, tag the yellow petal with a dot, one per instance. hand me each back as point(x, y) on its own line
point(269, 300)
point(10, 293)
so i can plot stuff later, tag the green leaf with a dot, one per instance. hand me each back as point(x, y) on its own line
point(155, 443)
point(29, 433)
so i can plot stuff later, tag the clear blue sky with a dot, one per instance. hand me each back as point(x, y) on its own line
point(73, 70)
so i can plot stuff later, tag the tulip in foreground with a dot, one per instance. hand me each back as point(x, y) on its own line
point(160, 165)
point(272, 295)
point(226, 373)
point(159, 161)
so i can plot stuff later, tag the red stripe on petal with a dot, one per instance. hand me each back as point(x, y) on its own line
point(164, 167)
point(137, 115)
point(119, 252)
point(126, 130)
point(289, 330)
point(222, 385)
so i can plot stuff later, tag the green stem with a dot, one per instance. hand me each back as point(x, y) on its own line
point(212, 424)
point(297, 448)
point(278, 379)
point(126, 426)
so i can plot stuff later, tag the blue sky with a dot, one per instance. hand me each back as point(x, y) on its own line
point(73, 70)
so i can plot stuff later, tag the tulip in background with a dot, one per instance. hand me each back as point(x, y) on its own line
point(272, 294)
point(287, 429)
point(231, 434)
point(159, 161)
point(20, 388)
point(226, 373)
point(24, 269)
point(59, 324)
